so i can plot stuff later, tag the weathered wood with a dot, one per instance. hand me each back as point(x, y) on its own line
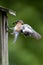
point(7, 10)
point(3, 39)
point(4, 35)
point(0, 39)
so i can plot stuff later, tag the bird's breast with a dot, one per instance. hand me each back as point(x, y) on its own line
point(18, 28)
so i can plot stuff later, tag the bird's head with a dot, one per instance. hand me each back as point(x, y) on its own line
point(18, 22)
point(18, 25)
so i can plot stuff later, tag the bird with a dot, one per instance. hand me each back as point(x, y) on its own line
point(26, 29)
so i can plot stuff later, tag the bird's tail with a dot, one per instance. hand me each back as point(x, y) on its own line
point(36, 35)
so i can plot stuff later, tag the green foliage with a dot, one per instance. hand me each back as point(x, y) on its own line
point(26, 51)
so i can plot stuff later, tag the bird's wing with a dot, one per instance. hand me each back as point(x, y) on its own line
point(15, 36)
point(15, 33)
point(11, 28)
point(28, 29)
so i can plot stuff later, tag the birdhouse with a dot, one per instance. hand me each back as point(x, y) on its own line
point(4, 35)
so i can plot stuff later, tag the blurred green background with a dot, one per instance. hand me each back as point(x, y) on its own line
point(26, 51)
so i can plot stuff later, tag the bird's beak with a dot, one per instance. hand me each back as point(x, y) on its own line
point(16, 36)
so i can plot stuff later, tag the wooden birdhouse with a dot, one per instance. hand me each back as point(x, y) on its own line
point(4, 35)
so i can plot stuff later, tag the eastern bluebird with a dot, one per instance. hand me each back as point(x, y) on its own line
point(26, 29)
